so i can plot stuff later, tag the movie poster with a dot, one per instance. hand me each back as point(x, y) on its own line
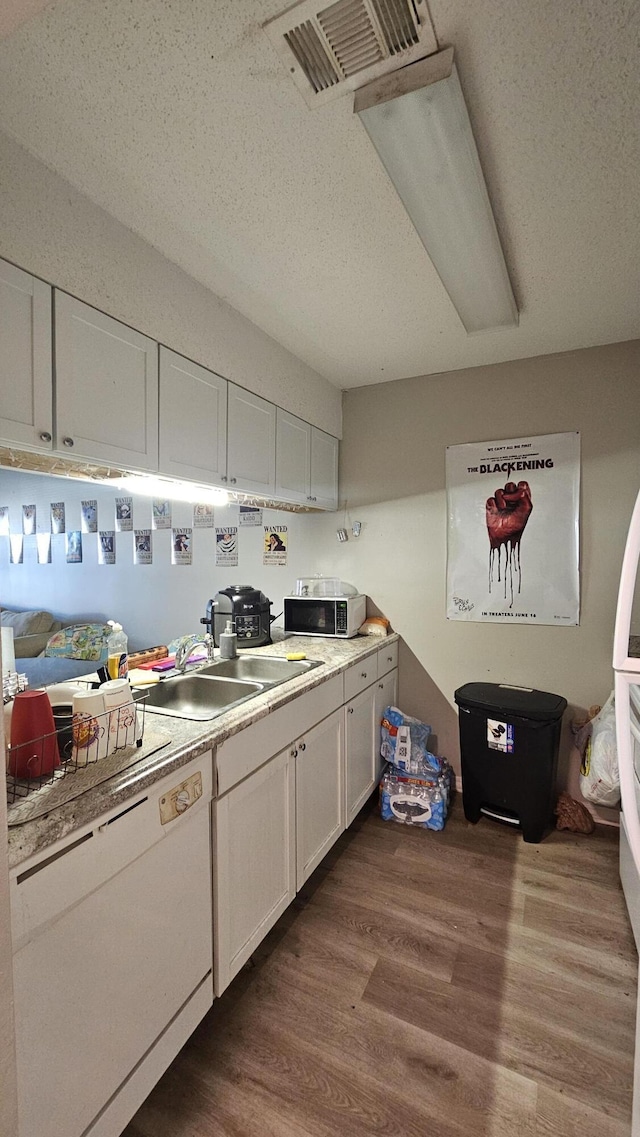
point(513, 530)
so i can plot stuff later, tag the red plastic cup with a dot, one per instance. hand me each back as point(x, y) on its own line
point(34, 746)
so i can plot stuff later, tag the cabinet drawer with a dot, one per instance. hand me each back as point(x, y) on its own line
point(246, 751)
point(387, 658)
point(361, 675)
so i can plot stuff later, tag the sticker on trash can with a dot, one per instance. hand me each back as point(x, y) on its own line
point(500, 736)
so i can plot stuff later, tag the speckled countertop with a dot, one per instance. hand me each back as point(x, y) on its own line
point(188, 740)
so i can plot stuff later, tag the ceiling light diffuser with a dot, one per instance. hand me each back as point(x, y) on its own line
point(418, 122)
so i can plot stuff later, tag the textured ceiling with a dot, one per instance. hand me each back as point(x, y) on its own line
point(178, 118)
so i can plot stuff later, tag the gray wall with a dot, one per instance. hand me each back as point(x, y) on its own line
point(393, 479)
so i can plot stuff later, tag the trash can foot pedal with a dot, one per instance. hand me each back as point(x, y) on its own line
point(495, 815)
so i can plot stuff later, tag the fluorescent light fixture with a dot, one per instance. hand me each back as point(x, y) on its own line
point(168, 489)
point(419, 124)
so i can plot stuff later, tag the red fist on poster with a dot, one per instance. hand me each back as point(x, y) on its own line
point(507, 513)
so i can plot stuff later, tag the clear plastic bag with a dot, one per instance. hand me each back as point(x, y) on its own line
point(599, 775)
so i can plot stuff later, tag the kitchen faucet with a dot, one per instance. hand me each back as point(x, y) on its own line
point(186, 647)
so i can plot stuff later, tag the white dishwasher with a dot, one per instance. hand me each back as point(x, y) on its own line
point(112, 957)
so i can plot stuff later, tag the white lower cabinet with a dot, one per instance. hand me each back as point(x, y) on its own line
point(386, 690)
point(254, 862)
point(319, 757)
point(360, 757)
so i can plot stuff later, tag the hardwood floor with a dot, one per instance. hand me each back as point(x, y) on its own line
point(425, 985)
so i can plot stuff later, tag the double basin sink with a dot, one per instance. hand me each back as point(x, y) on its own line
point(201, 695)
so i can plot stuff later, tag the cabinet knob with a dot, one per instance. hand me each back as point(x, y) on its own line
point(303, 746)
point(381, 686)
point(314, 499)
point(389, 659)
point(67, 442)
point(224, 478)
point(45, 436)
point(294, 753)
point(363, 674)
point(349, 710)
point(233, 481)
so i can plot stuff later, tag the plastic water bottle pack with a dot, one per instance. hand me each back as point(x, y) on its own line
point(416, 785)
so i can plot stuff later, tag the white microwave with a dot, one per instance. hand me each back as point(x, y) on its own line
point(324, 615)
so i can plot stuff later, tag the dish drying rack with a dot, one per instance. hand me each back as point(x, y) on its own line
point(80, 745)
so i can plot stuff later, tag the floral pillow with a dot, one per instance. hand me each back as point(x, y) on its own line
point(80, 641)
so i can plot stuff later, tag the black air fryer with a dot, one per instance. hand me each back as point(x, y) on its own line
point(247, 608)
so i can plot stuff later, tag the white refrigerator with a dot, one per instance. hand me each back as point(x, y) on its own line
point(626, 663)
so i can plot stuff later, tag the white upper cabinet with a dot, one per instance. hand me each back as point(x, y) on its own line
point(293, 458)
point(251, 442)
point(106, 388)
point(193, 420)
point(26, 393)
point(306, 463)
point(324, 469)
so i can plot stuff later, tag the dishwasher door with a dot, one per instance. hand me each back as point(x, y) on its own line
point(99, 983)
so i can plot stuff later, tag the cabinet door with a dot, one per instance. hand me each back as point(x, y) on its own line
point(386, 696)
point(25, 360)
point(319, 758)
point(193, 420)
point(106, 388)
point(360, 759)
point(254, 863)
point(251, 442)
point(324, 469)
point(293, 458)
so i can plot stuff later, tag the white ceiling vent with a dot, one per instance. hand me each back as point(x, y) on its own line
point(331, 50)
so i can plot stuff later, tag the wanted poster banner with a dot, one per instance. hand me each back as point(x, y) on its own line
point(513, 530)
point(250, 515)
point(89, 516)
point(124, 514)
point(227, 546)
point(161, 513)
point(203, 516)
point(107, 547)
point(57, 517)
point(181, 546)
point(276, 540)
point(142, 550)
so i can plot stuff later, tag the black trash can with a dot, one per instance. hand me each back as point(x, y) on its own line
point(509, 741)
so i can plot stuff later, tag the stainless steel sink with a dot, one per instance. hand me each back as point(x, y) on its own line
point(268, 669)
point(195, 697)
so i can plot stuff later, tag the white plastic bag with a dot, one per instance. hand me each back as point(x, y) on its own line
point(599, 777)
